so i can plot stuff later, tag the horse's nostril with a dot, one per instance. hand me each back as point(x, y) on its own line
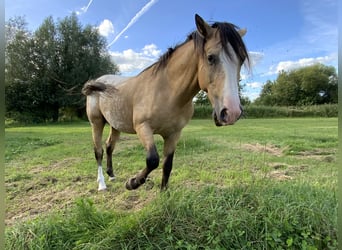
point(242, 112)
point(224, 115)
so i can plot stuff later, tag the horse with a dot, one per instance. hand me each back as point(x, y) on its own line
point(159, 100)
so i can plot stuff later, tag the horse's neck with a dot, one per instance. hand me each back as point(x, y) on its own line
point(182, 72)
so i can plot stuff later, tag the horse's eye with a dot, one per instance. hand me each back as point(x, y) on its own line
point(212, 59)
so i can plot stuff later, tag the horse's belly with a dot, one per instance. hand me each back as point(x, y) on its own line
point(120, 124)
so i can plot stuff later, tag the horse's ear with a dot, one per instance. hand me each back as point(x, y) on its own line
point(203, 28)
point(242, 32)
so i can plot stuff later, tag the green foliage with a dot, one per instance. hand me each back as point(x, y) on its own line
point(261, 111)
point(312, 85)
point(202, 111)
point(202, 99)
point(264, 111)
point(46, 70)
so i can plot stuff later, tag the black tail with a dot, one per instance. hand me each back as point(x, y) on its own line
point(91, 86)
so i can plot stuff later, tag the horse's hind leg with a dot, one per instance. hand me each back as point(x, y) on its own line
point(97, 130)
point(110, 145)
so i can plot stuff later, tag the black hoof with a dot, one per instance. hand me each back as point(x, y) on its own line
point(132, 183)
point(110, 173)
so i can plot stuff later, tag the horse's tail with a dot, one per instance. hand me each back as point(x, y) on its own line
point(93, 86)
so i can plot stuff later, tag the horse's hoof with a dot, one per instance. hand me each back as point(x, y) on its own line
point(102, 189)
point(111, 178)
point(102, 184)
point(132, 183)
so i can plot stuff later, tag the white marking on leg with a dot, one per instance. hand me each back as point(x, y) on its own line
point(100, 179)
point(111, 178)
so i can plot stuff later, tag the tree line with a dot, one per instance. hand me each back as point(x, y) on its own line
point(46, 69)
point(311, 85)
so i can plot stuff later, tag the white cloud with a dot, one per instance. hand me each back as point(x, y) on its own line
point(131, 62)
point(251, 95)
point(151, 50)
point(254, 85)
point(106, 28)
point(303, 62)
point(255, 57)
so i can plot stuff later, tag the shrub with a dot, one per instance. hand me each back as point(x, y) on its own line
point(262, 111)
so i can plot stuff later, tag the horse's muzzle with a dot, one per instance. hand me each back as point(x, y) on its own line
point(225, 117)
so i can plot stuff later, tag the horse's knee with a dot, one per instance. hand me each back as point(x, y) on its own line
point(98, 153)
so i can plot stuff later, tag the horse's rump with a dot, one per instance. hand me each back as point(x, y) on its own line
point(95, 86)
point(92, 86)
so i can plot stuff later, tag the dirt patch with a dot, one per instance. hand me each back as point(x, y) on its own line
point(266, 148)
point(65, 163)
point(280, 175)
point(37, 202)
point(134, 201)
point(42, 193)
point(282, 171)
point(319, 154)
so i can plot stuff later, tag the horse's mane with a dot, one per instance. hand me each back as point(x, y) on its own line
point(228, 33)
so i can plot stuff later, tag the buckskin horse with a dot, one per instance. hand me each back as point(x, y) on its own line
point(159, 99)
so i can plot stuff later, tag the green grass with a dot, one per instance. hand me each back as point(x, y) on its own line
point(260, 184)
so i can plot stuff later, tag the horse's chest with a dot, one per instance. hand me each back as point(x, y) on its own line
point(173, 121)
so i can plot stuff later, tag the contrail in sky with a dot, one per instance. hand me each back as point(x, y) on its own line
point(134, 20)
point(84, 9)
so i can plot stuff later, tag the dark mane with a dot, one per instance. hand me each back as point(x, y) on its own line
point(228, 33)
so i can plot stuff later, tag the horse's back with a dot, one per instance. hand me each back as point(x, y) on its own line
point(112, 79)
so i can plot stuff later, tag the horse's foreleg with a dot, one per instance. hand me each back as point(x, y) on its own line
point(152, 158)
point(97, 129)
point(170, 143)
point(110, 145)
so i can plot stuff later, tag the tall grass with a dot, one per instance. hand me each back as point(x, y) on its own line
point(224, 190)
point(255, 216)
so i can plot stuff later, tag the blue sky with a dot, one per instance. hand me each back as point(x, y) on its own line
point(281, 35)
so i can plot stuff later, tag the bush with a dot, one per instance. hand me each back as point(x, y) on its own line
point(262, 111)
point(203, 112)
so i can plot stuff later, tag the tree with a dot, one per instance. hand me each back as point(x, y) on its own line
point(202, 99)
point(312, 85)
point(17, 66)
point(266, 96)
point(53, 64)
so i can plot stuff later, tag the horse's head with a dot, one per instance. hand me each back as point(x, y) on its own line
point(222, 53)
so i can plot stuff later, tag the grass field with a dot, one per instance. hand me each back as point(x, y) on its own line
point(260, 184)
